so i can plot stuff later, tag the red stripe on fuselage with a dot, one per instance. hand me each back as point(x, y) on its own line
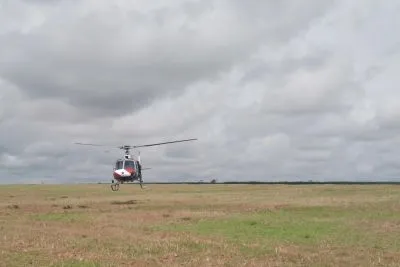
point(116, 175)
point(130, 170)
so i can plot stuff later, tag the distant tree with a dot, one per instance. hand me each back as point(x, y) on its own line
point(213, 181)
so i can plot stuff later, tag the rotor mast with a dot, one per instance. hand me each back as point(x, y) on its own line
point(127, 149)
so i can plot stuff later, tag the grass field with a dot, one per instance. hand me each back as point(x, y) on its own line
point(200, 225)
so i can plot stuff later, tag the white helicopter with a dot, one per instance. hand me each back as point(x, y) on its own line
point(130, 169)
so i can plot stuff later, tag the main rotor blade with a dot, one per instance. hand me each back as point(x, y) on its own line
point(86, 144)
point(136, 146)
point(163, 143)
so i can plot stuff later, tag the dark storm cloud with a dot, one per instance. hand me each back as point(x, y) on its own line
point(115, 61)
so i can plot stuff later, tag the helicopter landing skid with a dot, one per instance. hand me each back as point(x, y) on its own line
point(141, 182)
point(115, 187)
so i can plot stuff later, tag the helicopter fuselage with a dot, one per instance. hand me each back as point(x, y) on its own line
point(126, 170)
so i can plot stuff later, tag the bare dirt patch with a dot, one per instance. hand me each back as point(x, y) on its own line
point(126, 202)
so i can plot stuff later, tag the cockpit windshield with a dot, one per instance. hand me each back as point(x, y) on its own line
point(129, 164)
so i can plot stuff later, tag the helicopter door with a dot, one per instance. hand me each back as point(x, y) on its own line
point(136, 167)
point(119, 165)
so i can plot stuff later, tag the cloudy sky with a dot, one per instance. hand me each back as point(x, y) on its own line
point(273, 90)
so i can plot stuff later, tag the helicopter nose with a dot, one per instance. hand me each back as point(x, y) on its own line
point(116, 175)
point(121, 173)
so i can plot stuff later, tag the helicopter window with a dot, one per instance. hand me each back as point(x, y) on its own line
point(118, 165)
point(129, 164)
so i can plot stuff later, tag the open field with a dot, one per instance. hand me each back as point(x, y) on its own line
point(200, 225)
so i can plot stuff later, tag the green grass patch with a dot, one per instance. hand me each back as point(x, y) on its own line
point(281, 226)
point(298, 226)
point(61, 217)
point(370, 211)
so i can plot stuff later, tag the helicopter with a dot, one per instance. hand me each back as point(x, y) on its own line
point(128, 169)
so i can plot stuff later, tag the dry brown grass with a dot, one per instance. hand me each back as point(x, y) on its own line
point(200, 225)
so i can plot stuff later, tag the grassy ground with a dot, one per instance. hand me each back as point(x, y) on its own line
point(200, 225)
